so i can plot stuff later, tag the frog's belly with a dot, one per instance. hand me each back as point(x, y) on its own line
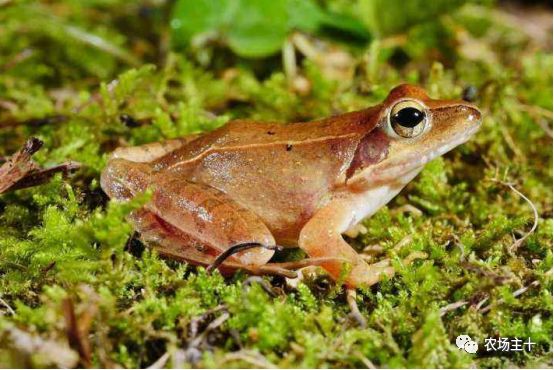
point(284, 200)
point(369, 202)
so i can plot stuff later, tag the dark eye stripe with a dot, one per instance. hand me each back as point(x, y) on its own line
point(408, 117)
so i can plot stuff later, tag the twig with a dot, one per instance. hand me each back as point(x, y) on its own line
point(289, 60)
point(196, 320)
point(19, 171)
point(250, 357)
point(34, 122)
point(355, 311)
point(102, 44)
point(19, 165)
point(268, 269)
point(515, 294)
point(42, 176)
point(77, 339)
point(451, 307)
point(417, 255)
point(193, 353)
point(407, 208)
point(403, 242)
point(481, 303)
point(18, 58)
point(537, 113)
point(510, 141)
point(366, 361)
point(5, 3)
point(26, 345)
point(211, 326)
point(160, 362)
point(520, 241)
point(263, 283)
point(8, 307)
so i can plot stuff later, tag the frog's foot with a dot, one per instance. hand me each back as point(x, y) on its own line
point(196, 223)
point(321, 237)
point(285, 269)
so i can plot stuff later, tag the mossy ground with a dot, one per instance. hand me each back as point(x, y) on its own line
point(75, 293)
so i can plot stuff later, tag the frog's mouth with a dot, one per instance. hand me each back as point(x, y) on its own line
point(409, 164)
point(419, 159)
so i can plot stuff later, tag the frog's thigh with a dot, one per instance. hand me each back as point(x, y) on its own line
point(321, 237)
point(151, 151)
point(211, 218)
point(166, 241)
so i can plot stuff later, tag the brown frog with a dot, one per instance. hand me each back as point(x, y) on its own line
point(295, 185)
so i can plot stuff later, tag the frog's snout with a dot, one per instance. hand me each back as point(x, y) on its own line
point(473, 114)
point(457, 117)
point(473, 118)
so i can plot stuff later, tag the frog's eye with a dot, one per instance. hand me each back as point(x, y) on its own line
point(408, 118)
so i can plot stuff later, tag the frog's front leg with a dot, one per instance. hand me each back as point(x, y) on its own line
point(322, 237)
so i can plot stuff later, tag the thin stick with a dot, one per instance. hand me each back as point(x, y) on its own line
point(42, 176)
point(263, 283)
point(211, 326)
point(196, 320)
point(268, 269)
point(160, 362)
point(366, 361)
point(250, 357)
point(481, 303)
point(520, 241)
point(452, 307)
point(8, 307)
point(19, 164)
point(515, 294)
point(355, 311)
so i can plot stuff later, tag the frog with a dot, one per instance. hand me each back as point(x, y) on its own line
point(298, 185)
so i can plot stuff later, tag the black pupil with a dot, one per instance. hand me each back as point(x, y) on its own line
point(408, 117)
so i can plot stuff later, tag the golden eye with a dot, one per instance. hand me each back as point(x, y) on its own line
point(408, 118)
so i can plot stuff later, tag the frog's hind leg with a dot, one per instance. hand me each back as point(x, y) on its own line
point(169, 241)
point(195, 222)
point(128, 172)
point(174, 244)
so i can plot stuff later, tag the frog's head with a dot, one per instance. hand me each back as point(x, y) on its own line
point(412, 129)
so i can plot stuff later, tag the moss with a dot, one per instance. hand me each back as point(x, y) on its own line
point(65, 242)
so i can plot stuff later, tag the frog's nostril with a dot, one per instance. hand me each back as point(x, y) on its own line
point(471, 113)
point(474, 115)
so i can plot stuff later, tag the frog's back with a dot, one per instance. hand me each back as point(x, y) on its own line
point(281, 172)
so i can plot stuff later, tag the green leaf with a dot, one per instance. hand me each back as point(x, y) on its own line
point(345, 24)
point(304, 15)
point(192, 17)
point(386, 17)
point(258, 28)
